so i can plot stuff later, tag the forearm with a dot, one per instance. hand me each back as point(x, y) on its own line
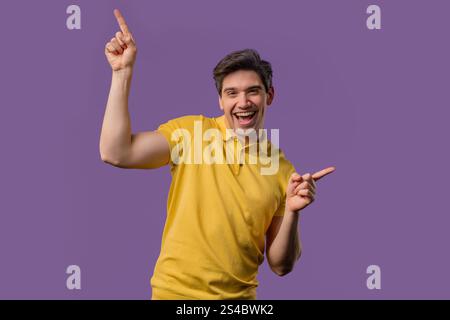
point(286, 247)
point(115, 137)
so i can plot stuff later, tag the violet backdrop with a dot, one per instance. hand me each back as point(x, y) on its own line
point(373, 103)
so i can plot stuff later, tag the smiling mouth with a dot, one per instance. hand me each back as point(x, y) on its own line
point(244, 118)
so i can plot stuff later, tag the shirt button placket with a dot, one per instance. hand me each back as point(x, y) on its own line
point(237, 149)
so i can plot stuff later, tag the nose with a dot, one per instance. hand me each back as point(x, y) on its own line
point(243, 102)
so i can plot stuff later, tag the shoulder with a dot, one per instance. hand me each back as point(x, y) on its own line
point(189, 122)
point(185, 122)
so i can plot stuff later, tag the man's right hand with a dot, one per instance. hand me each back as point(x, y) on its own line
point(121, 50)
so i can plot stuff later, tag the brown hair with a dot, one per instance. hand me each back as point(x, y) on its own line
point(247, 59)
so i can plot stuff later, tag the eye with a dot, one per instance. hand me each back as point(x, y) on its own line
point(254, 91)
point(231, 93)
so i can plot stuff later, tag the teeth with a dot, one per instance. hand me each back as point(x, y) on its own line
point(245, 114)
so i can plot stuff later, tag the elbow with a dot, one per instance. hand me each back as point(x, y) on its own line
point(286, 267)
point(111, 153)
point(108, 159)
point(299, 254)
point(282, 271)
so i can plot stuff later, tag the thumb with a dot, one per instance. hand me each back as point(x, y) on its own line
point(294, 181)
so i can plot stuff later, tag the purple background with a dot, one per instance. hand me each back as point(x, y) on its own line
point(372, 103)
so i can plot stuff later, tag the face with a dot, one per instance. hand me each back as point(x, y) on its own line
point(244, 100)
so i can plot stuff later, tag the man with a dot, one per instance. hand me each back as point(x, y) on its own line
point(221, 213)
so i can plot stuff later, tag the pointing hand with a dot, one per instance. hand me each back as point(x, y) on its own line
point(121, 50)
point(301, 190)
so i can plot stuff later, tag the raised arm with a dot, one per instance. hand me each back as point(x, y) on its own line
point(118, 146)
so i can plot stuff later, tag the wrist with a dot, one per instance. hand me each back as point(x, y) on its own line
point(123, 73)
point(292, 213)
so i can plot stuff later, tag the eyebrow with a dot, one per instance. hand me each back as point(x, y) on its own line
point(247, 89)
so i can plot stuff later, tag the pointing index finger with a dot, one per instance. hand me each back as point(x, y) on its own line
point(322, 173)
point(122, 24)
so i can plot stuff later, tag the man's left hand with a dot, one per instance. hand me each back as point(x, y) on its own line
point(301, 190)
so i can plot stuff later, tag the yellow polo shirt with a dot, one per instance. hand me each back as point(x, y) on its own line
point(217, 217)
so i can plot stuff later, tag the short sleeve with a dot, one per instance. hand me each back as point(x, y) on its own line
point(169, 128)
point(286, 170)
point(166, 129)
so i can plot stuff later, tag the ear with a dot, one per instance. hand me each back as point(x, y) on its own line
point(220, 103)
point(270, 95)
